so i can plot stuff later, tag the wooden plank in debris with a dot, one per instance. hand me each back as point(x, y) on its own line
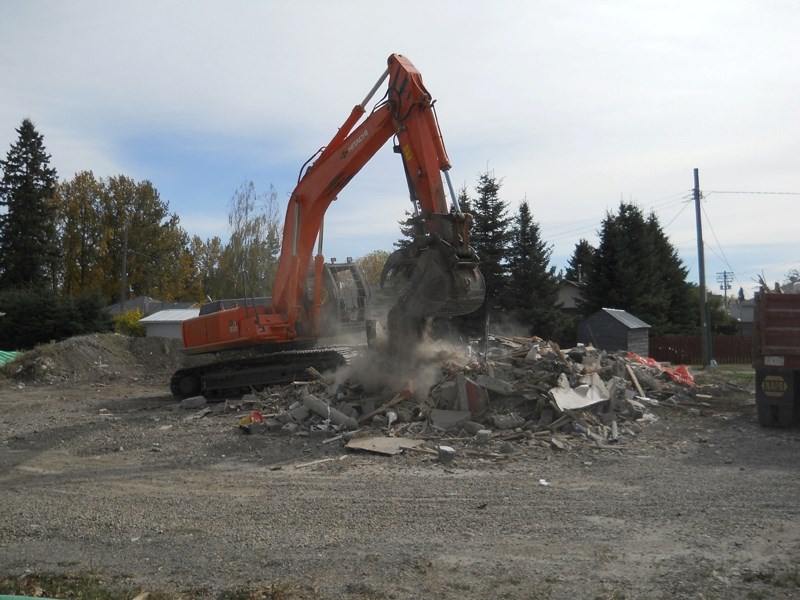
point(424, 450)
point(318, 462)
point(396, 400)
point(561, 421)
point(635, 380)
point(491, 455)
point(383, 445)
point(555, 348)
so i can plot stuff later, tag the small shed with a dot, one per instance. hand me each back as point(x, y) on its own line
point(613, 330)
point(168, 323)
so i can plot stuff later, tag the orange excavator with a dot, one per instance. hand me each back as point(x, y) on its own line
point(266, 340)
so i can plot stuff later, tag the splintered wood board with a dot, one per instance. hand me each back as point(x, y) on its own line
point(383, 445)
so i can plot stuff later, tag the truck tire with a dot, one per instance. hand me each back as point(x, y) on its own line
point(766, 414)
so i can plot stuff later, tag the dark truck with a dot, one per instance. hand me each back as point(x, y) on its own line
point(776, 358)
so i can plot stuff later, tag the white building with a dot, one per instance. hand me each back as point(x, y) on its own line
point(168, 323)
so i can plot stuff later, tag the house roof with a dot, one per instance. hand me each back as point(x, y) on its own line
point(147, 305)
point(626, 318)
point(171, 315)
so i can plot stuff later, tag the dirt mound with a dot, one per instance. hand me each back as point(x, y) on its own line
point(97, 357)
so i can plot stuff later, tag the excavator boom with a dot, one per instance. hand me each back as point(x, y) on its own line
point(436, 275)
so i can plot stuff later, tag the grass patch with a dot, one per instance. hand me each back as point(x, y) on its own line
point(87, 586)
point(272, 591)
point(76, 586)
point(364, 591)
point(773, 578)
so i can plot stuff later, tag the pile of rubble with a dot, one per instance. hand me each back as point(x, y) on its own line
point(522, 390)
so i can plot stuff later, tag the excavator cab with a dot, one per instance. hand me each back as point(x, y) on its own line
point(345, 297)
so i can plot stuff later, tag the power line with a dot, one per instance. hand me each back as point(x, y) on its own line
point(591, 226)
point(766, 193)
point(724, 258)
point(680, 212)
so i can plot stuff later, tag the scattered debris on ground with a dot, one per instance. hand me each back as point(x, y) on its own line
point(451, 401)
point(525, 391)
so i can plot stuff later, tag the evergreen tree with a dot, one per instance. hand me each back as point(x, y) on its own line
point(464, 202)
point(29, 246)
point(490, 236)
point(669, 270)
point(636, 268)
point(580, 262)
point(532, 291)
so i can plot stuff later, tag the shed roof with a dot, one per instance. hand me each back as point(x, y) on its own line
point(172, 315)
point(626, 318)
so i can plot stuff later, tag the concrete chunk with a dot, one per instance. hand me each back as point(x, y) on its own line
point(193, 402)
point(446, 454)
point(324, 410)
point(504, 422)
point(495, 385)
point(447, 419)
point(472, 428)
point(483, 436)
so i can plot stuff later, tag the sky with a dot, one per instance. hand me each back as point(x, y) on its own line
point(573, 106)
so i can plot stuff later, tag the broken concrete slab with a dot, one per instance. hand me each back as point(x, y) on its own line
point(448, 419)
point(493, 384)
point(505, 422)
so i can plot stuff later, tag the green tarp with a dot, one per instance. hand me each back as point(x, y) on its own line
point(6, 357)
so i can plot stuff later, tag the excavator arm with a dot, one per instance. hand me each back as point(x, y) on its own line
point(436, 275)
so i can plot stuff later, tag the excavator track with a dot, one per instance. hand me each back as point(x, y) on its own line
point(242, 374)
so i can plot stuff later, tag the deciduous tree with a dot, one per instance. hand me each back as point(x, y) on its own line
point(82, 234)
point(249, 260)
point(372, 264)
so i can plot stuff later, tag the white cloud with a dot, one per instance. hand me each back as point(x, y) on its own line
point(573, 105)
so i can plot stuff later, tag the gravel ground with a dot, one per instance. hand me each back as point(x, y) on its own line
point(107, 475)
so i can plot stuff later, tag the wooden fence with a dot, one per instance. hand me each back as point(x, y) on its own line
point(687, 350)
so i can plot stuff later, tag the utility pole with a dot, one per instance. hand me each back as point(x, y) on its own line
point(724, 280)
point(123, 291)
point(705, 325)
